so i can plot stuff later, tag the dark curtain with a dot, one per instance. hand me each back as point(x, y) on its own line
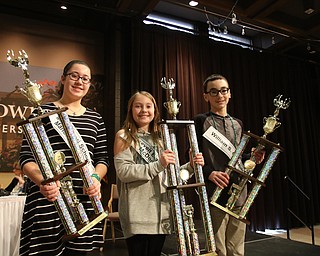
point(255, 79)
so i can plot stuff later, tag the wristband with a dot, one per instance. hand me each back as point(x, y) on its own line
point(94, 175)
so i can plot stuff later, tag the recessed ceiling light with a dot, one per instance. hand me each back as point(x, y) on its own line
point(63, 7)
point(309, 11)
point(193, 3)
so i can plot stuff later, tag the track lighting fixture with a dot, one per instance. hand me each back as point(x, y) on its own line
point(193, 3)
point(234, 18)
point(225, 30)
point(242, 31)
point(308, 6)
point(308, 47)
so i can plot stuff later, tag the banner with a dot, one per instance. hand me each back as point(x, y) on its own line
point(14, 107)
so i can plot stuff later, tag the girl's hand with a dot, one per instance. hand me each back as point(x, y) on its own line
point(167, 157)
point(51, 190)
point(198, 159)
point(94, 189)
point(20, 179)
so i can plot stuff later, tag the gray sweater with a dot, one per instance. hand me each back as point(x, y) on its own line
point(143, 202)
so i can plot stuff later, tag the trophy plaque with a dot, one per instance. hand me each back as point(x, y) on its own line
point(51, 163)
point(245, 170)
point(183, 214)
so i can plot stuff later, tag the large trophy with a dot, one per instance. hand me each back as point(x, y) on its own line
point(183, 214)
point(51, 163)
point(245, 171)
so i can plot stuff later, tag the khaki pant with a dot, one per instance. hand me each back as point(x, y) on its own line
point(229, 233)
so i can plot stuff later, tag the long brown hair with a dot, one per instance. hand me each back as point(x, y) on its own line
point(130, 126)
point(91, 92)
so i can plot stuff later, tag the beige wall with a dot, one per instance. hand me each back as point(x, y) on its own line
point(49, 45)
point(5, 179)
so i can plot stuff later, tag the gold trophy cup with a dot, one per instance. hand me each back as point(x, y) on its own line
point(272, 122)
point(31, 90)
point(172, 105)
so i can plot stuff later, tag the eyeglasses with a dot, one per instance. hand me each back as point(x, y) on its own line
point(74, 76)
point(215, 92)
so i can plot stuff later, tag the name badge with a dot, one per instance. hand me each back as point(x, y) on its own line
point(220, 141)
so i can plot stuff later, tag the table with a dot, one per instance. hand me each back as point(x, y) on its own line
point(11, 210)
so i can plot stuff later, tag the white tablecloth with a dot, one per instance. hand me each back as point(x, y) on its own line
point(11, 210)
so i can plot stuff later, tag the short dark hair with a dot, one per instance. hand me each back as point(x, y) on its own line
point(212, 77)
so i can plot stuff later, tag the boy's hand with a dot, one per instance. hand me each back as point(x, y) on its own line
point(221, 179)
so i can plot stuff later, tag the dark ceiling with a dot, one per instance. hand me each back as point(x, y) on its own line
point(281, 26)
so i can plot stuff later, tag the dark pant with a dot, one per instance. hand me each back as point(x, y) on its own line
point(145, 245)
point(68, 252)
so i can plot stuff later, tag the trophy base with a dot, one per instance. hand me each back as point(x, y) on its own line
point(194, 185)
point(87, 227)
point(209, 254)
point(226, 210)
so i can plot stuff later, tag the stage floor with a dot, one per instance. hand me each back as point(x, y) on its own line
point(256, 245)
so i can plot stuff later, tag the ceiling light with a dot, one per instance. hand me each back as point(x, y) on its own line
point(310, 50)
point(210, 28)
point(308, 47)
point(309, 11)
point(308, 6)
point(234, 18)
point(243, 32)
point(193, 3)
point(63, 7)
point(225, 30)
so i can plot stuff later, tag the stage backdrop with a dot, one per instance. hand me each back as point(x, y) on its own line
point(14, 107)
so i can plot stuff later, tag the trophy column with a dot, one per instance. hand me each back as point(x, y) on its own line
point(42, 151)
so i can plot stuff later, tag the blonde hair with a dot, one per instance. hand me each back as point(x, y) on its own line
point(130, 126)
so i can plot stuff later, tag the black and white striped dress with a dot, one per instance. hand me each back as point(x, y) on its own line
point(42, 231)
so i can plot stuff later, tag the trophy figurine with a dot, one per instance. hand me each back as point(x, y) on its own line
point(271, 123)
point(172, 105)
point(31, 90)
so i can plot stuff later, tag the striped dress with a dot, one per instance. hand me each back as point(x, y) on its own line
point(42, 231)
